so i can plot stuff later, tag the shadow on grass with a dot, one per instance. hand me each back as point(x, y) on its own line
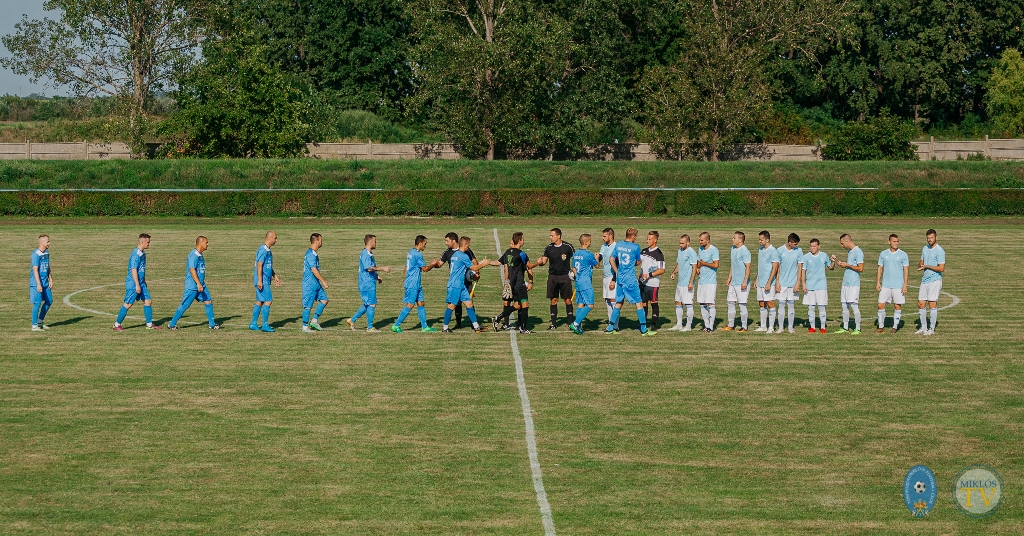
point(69, 321)
point(284, 321)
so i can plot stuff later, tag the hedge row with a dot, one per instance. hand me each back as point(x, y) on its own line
point(921, 202)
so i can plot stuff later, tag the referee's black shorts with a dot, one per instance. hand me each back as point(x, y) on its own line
point(559, 286)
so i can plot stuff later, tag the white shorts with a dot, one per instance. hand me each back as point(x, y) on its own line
point(737, 295)
point(816, 297)
point(683, 295)
point(892, 295)
point(706, 293)
point(786, 294)
point(605, 292)
point(765, 296)
point(850, 295)
point(929, 291)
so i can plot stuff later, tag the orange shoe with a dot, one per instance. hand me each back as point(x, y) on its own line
point(811, 330)
point(741, 330)
point(726, 328)
point(822, 330)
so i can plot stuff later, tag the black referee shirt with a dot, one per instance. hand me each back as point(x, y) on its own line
point(559, 258)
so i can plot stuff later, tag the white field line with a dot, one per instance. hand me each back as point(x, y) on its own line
point(531, 441)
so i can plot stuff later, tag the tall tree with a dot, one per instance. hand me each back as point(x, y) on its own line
point(1005, 96)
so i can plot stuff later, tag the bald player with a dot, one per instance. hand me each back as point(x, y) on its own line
point(262, 275)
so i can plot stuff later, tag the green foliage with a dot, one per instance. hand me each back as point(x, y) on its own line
point(878, 138)
point(13, 108)
point(1005, 96)
point(358, 125)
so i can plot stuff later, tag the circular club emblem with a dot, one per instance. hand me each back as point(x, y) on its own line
point(920, 490)
point(978, 491)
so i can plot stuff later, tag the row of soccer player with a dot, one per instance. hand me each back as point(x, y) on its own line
point(781, 274)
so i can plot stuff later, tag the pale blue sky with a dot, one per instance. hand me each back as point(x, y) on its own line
point(10, 83)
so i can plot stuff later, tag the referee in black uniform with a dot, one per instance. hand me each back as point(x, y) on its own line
point(559, 254)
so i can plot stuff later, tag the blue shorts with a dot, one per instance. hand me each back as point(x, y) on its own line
point(46, 296)
point(585, 296)
point(630, 293)
point(413, 295)
point(369, 296)
point(457, 295)
point(264, 295)
point(313, 295)
point(192, 295)
point(131, 297)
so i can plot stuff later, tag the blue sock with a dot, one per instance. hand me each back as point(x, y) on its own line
point(613, 322)
point(319, 309)
point(582, 315)
point(148, 309)
point(42, 311)
point(472, 315)
point(401, 316)
point(255, 315)
point(35, 313)
point(178, 312)
point(642, 316)
point(421, 311)
point(359, 313)
point(266, 314)
point(121, 314)
point(209, 314)
point(305, 316)
point(448, 316)
point(370, 311)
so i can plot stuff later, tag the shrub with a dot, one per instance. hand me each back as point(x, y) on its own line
point(879, 138)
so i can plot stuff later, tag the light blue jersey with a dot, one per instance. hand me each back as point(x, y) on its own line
point(607, 250)
point(367, 279)
point(41, 260)
point(686, 259)
point(766, 258)
point(263, 255)
point(892, 263)
point(312, 260)
point(136, 261)
point(932, 256)
point(789, 265)
point(708, 275)
point(195, 260)
point(739, 259)
point(459, 264)
point(626, 256)
point(583, 261)
point(814, 270)
point(414, 264)
point(851, 278)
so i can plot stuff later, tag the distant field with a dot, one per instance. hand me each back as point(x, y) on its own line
point(437, 174)
point(225, 432)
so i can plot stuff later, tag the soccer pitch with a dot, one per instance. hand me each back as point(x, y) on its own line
point(343, 432)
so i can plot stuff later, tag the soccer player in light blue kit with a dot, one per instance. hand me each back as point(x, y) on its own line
point(583, 264)
point(788, 285)
point(415, 267)
point(368, 279)
point(314, 286)
point(40, 284)
point(812, 279)
point(604, 256)
point(624, 262)
point(263, 275)
point(135, 288)
point(195, 285)
point(686, 262)
point(891, 283)
point(461, 264)
point(933, 264)
point(738, 281)
point(849, 297)
point(708, 262)
point(767, 277)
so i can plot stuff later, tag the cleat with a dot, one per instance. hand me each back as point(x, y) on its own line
point(921, 331)
point(708, 330)
point(396, 329)
point(316, 326)
point(215, 326)
point(480, 329)
point(307, 329)
point(153, 326)
point(727, 328)
point(894, 330)
point(649, 333)
point(855, 332)
point(761, 329)
point(44, 327)
point(172, 328)
point(930, 332)
point(267, 329)
point(458, 325)
point(351, 324)
point(573, 328)
point(677, 327)
point(37, 328)
point(524, 331)
point(118, 328)
point(372, 330)
point(778, 330)
point(611, 332)
point(880, 330)
point(446, 330)
point(822, 330)
point(685, 328)
point(495, 325)
point(811, 330)
point(792, 330)
point(741, 330)
point(842, 330)
point(552, 327)
point(254, 327)
point(429, 329)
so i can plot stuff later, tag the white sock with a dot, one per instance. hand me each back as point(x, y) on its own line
point(896, 318)
point(821, 315)
point(689, 315)
point(771, 318)
point(764, 316)
point(711, 316)
point(923, 314)
point(935, 317)
point(732, 314)
point(610, 308)
point(810, 316)
point(846, 315)
point(679, 315)
point(881, 318)
point(446, 326)
point(743, 315)
point(856, 314)
point(704, 314)
point(792, 314)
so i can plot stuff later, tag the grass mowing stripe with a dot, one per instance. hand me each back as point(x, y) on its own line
point(531, 441)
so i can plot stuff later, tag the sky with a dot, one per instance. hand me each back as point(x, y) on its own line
point(10, 83)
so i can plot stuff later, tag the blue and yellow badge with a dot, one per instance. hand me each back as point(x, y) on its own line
point(919, 490)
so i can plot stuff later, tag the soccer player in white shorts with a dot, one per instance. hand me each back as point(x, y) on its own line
point(738, 281)
point(890, 283)
point(767, 277)
point(849, 297)
point(933, 264)
point(812, 279)
point(707, 283)
point(686, 269)
point(787, 284)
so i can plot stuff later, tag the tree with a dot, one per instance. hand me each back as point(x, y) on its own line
point(122, 48)
point(1005, 97)
point(878, 138)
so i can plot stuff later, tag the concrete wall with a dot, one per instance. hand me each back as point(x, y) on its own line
point(64, 151)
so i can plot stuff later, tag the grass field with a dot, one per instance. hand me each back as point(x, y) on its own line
point(200, 432)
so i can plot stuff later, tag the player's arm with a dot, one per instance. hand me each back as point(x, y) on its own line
point(614, 263)
point(906, 278)
point(135, 277)
point(941, 267)
point(658, 272)
point(374, 269)
point(674, 273)
point(878, 280)
point(693, 277)
point(259, 275)
point(746, 277)
point(800, 277)
point(711, 264)
point(529, 280)
point(773, 277)
point(195, 277)
point(433, 264)
point(316, 273)
point(480, 265)
point(39, 282)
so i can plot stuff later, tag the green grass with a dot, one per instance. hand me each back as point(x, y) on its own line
point(339, 432)
point(433, 174)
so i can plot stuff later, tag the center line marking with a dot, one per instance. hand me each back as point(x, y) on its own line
point(531, 441)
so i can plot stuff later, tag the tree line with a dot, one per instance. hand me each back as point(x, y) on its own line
point(539, 78)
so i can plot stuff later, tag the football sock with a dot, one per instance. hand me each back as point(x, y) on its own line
point(569, 314)
point(771, 318)
point(266, 314)
point(792, 314)
point(896, 318)
point(359, 313)
point(704, 314)
point(401, 315)
point(148, 310)
point(656, 310)
point(810, 316)
point(370, 311)
point(689, 315)
point(35, 313)
point(583, 315)
point(846, 315)
point(506, 313)
point(43, 308)
point(319, 310)
point(123, 312)
point(178, 312)
point(744, 315)
point(935, 317)
point(731, 315)
point(764, 316)
point(856, 315)
point(255, 315)
point(209, 314)
point(554, 314)
point(305, 316)
point(524, 315)
point(821, 315)
point(642, 316)
point(447, 316)
point(923, 314)
point(614, 321)
point(472, 317)
point(881, 318)
point(458, 314)
point(712, 313)
point(421, 311)
point(679, 315)
point(610, 306)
